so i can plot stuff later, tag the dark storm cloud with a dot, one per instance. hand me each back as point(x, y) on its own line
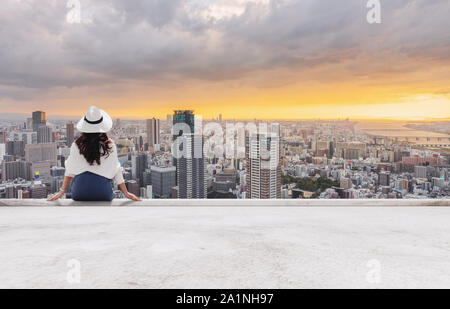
point(149, 41)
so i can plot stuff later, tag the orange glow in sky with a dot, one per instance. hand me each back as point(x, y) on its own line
point(244, 59)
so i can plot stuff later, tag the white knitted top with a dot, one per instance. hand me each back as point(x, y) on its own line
point(109, 166)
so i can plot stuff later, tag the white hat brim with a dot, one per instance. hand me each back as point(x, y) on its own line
point(103, 127)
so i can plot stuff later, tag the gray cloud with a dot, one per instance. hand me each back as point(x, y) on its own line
point(150, 41)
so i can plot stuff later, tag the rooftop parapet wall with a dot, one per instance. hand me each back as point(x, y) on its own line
point(233, 203)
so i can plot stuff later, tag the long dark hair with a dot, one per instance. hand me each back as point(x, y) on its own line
point(93, 146)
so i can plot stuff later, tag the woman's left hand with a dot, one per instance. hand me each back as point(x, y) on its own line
point(56, 196)
point(132, 197)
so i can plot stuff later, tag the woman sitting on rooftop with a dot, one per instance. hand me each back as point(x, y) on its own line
point(93, 163)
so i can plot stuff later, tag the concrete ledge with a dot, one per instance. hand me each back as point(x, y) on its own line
point(230, 203)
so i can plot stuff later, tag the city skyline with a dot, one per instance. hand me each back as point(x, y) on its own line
point(285, 160)
point(249, 59)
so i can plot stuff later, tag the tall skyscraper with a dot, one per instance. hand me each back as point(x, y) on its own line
point(15, 148)
point(184, 116)
point(139, 163)
point(44, 134)
point(2, 151)
point(146, 178)
point(3, 138)
point(39, 119)
point(153, 133)
point(70, 133)
point(169, 119)
point(149, 192)
point(41, 152)
point(263, 175)
point(331, 149)
point(15, 169)
point(191, 169)
point(29, 124)
point(29, 137)
point(163, 180)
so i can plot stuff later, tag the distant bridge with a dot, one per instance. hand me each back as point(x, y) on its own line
point(427, 141)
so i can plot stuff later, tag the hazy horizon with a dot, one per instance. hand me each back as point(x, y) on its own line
point(23, 116)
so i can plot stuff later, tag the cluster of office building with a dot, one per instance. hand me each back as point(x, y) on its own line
point(160, 161)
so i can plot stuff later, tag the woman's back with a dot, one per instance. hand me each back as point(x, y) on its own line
point(97, 159)
point(93, 161)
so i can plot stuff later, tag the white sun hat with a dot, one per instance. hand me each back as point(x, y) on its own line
point(95, 121)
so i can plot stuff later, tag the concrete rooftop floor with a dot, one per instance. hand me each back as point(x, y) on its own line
point(225, 247)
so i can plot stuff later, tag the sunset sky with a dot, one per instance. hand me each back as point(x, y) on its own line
point(266, 59)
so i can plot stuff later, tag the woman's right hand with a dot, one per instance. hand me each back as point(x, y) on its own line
point(132, 197)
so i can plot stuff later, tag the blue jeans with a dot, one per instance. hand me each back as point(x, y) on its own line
point(91, 187)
